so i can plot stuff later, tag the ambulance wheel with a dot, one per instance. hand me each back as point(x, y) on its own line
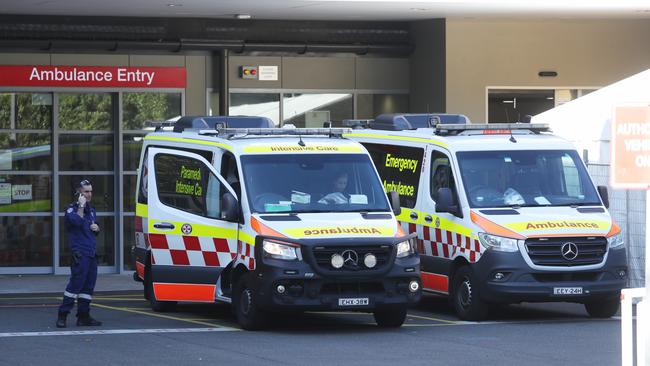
point(390, 317)
point(244, 303)
point(603, 308)
point(158, 306)
point(465, 296)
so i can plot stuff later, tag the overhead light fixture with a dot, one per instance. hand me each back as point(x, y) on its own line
point(243, 16)
point(174, 5)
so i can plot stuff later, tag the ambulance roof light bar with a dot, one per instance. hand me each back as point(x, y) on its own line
point(231, 133)
point(491, 129)
point(159, 125)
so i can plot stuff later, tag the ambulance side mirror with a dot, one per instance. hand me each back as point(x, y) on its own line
point(230, 208)
point(602, 191)
point(445, 202)
point(394, 202)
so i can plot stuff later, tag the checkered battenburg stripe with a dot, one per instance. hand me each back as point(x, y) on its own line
point(443, 243)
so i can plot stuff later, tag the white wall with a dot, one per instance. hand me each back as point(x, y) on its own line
point(482, 53)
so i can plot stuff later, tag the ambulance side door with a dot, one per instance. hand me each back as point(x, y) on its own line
point(191, 240)
point(446, 235)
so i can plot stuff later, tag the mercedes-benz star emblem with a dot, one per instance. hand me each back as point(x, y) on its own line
point(350, 258)
point(569, 251)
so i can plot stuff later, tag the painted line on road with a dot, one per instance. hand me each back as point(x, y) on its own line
point(115, 331)
point(432, 318)
point(160, 316)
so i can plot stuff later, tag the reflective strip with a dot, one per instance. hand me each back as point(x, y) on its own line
point(614, 230)
point(85, 296)
point(141, 210)
point(445, 224)
point(263, 229)
point(184, 292)
point(317, 232)
point(67, 294)
point(492, 228)
point(190, 141)
point(435, 282)
point(197, 229)
point(526, 226)
point(283, 149)
point(139, 267)
point(243, 237)
point(401, 138)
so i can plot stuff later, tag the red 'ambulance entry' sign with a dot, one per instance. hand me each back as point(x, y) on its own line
point(93, 76)
point(630, 147)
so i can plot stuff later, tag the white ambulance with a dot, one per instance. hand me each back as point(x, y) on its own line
point(504, 213)
point(269, 219)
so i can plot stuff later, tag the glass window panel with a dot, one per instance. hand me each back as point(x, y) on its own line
point(131, 147)
point(25, 241)
point(86, 111)
point(34, 111)
point(103, 187)
point(128, 223)
point(129, 192)
point(5, 111)
point(213, 103)
point(256, 104)
point(25, 151)
point(25, 193)
point(137, 108)
point(86, 152)
point(371, 105)
point(312, 110)
point(105, 242)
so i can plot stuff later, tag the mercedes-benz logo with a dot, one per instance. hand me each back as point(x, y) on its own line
point(350, 258)
point(569, 251)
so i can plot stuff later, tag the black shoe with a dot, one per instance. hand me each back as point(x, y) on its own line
point(85, 320)
point(61, 320)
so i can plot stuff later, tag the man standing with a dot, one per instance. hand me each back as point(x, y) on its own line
point(81, 229)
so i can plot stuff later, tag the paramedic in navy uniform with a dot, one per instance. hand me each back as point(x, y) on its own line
point(81, 229)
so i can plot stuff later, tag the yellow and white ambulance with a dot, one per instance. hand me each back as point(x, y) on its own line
point(269, 219)
point(503, 213)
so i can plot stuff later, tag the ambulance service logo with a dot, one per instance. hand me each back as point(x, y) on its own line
point(186, 229)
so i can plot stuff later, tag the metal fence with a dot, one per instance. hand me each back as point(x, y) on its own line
point(628, 209)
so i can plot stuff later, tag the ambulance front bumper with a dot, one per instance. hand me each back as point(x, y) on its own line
point(304, 286)
point(507, 278)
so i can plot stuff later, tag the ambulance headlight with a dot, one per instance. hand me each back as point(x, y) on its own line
point(616, 241)
point(498, 243)
point(404, 249)
point(277, 250)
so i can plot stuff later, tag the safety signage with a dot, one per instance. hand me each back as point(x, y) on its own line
point(630, 147)
point(93, 76)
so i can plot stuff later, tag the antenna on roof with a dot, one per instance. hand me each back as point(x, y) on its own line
point(300, 142)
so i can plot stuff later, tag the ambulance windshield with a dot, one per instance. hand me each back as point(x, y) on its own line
point(301, 183)
point(526, 178)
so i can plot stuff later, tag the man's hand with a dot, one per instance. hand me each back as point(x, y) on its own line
point(76, 257)
point(94, 227)
point(82, 200)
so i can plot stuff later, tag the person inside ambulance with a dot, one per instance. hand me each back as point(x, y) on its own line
point(443, 178)
point(338, 196)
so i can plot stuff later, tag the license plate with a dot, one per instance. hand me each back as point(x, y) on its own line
point(361, 301)
point(567, 290)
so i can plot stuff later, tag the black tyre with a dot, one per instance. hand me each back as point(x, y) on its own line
point(158, 306)
point(390, 317)
point(466, 296)
point(603, 308)
point(244, 303)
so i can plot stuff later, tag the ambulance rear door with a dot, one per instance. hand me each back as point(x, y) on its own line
point(190, 240)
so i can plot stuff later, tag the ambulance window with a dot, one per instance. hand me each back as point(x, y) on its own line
point(441, 175)
point(230, 172)
point(399, 168)
point(187, 184)
point(572, 184)
point(144, 181)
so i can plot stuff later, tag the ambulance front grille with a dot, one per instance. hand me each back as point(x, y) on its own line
point(548, 251)
point(323, 257)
